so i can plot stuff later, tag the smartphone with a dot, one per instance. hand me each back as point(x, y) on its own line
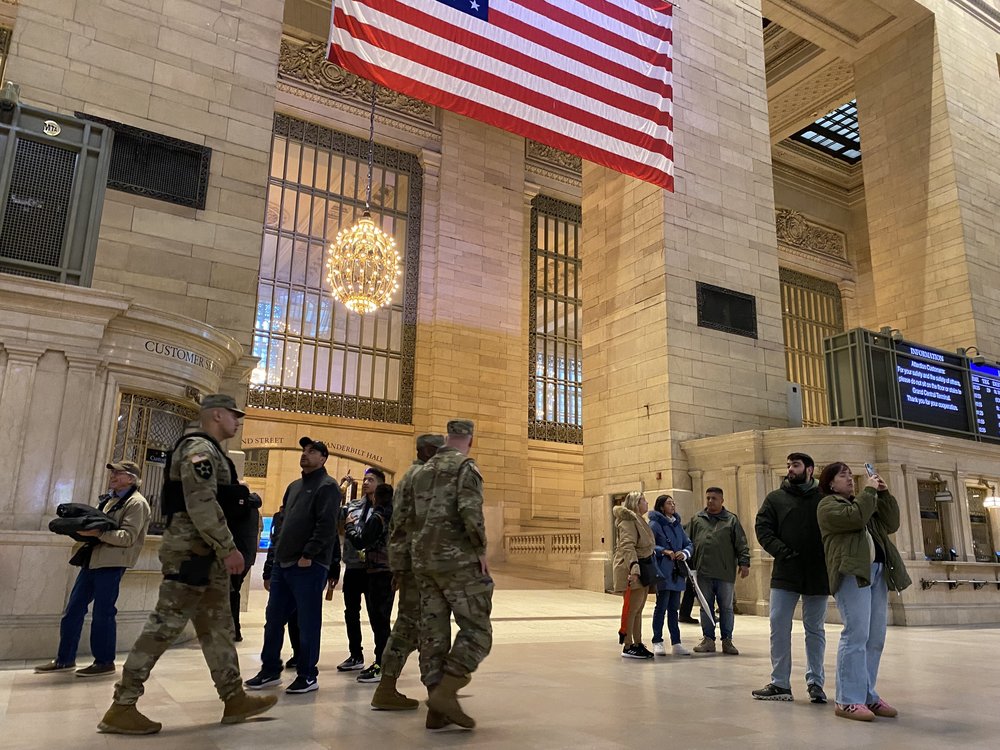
point(870, 469)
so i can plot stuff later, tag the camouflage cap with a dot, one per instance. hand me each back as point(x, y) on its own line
point(130, 466)
point(461, 427)
point(221, 401)
point(430, 441)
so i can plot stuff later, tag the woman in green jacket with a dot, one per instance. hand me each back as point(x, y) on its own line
point(863, 564)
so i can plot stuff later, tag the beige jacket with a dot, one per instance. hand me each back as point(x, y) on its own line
point(120, 548)
point(634, 539)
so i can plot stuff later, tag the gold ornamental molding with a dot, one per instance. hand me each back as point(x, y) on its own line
point(301, 62)
point(796, 231)
point(546, 161)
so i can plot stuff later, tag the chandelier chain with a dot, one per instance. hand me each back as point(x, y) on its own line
point(371, 149)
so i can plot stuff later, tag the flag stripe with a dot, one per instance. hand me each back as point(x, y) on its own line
point(592, 77)
point(489, 56)
point(593, 17)
point(439, 20)
point(654, 173)
point(436, 66)
point(607, 57)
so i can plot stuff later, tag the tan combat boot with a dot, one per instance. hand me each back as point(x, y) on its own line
point(388, 698)
point(122, 719)
point(443, 700)
point(242, 707)
point(436, 720)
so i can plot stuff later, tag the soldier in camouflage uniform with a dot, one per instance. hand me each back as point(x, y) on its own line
point(448, 551)
point(198, 556)
point(406, 630)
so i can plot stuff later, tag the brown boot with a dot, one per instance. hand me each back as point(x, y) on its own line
point(126, 719)
point(443, 700)
point(436, 720)
point(388, 698)
point(242, 707)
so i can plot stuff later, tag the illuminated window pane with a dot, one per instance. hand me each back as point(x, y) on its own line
point(310, 349)
point(555, 370)
point(836, 133)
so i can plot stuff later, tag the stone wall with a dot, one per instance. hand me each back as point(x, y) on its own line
point(748, 465)
point(199, 70)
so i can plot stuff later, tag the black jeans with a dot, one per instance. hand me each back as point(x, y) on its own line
point(687, 601)
point(235, 586)
point(355, 586)
point(378, 602)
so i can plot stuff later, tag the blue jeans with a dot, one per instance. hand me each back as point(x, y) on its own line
point(721, 592)
point(298, 590)
point(99, 586)
point(813, 616)
point(864, 612)
point(667, 603)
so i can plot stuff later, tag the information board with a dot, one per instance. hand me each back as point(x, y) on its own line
point(986, 399)
point(932, 388)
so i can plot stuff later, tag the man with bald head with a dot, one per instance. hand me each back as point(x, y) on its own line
point(406, 630)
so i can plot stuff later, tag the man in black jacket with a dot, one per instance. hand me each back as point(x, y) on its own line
point(787, 528)
point(303, 556)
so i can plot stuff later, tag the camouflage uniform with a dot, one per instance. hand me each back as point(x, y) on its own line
point(406, 630)
point(194, 545)
point(447, 537)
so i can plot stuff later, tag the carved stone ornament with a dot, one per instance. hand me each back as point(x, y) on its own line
point(797, 231)
point(306, 62)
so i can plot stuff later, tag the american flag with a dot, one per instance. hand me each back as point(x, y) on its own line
point(590, 77)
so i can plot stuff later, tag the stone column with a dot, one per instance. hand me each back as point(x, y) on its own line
point(931, 151)
point(15, 405)
point(652, 376)
point(471, 342)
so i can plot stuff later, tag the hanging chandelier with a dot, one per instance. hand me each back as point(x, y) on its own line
point(362, 263)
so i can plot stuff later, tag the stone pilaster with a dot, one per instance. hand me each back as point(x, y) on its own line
point(652, 375)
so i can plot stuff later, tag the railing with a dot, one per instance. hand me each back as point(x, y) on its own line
point(926, 583)
point(545, 545)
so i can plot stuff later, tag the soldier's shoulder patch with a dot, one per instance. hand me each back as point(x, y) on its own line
point(471, 465)
point(202, 465)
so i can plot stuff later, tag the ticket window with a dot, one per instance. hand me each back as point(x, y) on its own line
point(934, 523)
point(983, 545)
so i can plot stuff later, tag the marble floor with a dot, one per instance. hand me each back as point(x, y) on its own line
point(554, 680)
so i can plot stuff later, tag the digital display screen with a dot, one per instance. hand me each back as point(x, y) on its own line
point(931, 388)
point(986, 399)
point(265, 534)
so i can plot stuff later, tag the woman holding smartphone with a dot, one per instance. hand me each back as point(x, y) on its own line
point(863, 564)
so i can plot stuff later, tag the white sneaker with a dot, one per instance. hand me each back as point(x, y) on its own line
point(659, 650)
point(678, 649)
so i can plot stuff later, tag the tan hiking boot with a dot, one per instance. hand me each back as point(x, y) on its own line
point(242, 707)
point(707, 646)
point(443, 700)
point(122, 719)
point(729, 648)
point(388, 698)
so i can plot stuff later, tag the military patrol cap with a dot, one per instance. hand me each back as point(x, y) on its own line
point(221, 401)
point(461, 427)
point(130, 466)
point(430, 441)
point(317, 445)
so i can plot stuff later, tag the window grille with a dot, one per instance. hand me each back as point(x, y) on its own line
point(811, 311)
point(145, 432)
point(555, 360)
point(314, 355)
